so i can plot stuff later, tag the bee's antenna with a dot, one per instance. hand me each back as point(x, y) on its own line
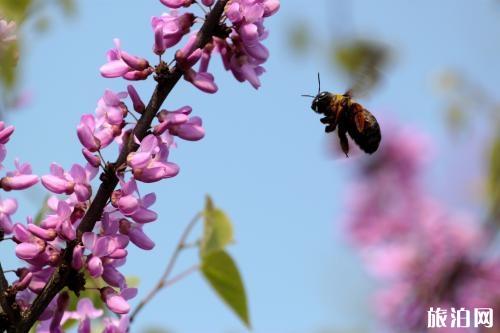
point(319, 84)
point(307, 96)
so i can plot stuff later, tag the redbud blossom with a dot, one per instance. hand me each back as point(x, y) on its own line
point(85, 312)
point(113, 325)
point(149, 163)
point(179, 124)
point(62, 304)
point(5, 132)
point(136, 235)
point(110, 109)
point(92, 159)
point(169, 29)
point(136, 99)
point(117, 302)
point(20, 179)
point(130, 204)
point(77, 260)
point(75, 181)
point(24, 280)
point(7, 208)
point(120, 63)
point(174, 4)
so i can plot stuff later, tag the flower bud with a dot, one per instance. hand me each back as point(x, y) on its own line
point(20, 182)
point(114, 301)
point(136, 99)
point(136, 63)
point(45, 234)
point(93, 159)
point(138, 75)
point(174, 4)
point(23, 281)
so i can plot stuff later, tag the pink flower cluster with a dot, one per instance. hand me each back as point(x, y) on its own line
point(19, 179)
point(84, 313)
point(427, 256)
point(43, 243)
point(101, 252)
point(239, 42)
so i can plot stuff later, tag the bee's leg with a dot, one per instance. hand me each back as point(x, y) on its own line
point(330, 128)
point(325, 120)
point(344, 144)
point(339, 114)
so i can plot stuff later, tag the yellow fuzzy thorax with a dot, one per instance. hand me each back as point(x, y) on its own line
point(339, 101)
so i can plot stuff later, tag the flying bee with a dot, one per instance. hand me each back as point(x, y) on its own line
point(350, 117)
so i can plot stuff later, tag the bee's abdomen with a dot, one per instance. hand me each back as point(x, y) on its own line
point(369, 138)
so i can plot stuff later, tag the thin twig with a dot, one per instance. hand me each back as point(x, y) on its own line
point(109, 180)
point(182, 275)
point(164, 279)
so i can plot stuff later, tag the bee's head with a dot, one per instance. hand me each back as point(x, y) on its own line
point(321, 102)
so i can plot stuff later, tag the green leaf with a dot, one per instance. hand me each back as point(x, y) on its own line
point(15, 10)
point(221, 272)
point(218, 230)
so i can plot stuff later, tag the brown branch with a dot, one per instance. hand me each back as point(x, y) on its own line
point(164, 279)
point(167, 79)
point(6, 300)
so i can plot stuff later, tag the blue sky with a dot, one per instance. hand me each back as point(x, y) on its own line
point(263, 159)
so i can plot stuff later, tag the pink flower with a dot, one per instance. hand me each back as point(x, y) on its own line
point(24, 280)
point(7, 208)
point(138, 104)
point(62, 304)
point(117, 302)
point(5, 132)
point(92, 159)
point(179, 124)
point(428, 256)
point(174, 4)
point(149, 163)
point(75, 181)
point(102, 247)
point(113, 325)
point(20, 179)
point(169, 29)
point(85, 312)
point(136, 234)
point(129, 203)
point(95, 135)
point(29, 246)
point(121, 63)
point(77, 261)
point(61, 221)
point(201, 80)
point(110, 108)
